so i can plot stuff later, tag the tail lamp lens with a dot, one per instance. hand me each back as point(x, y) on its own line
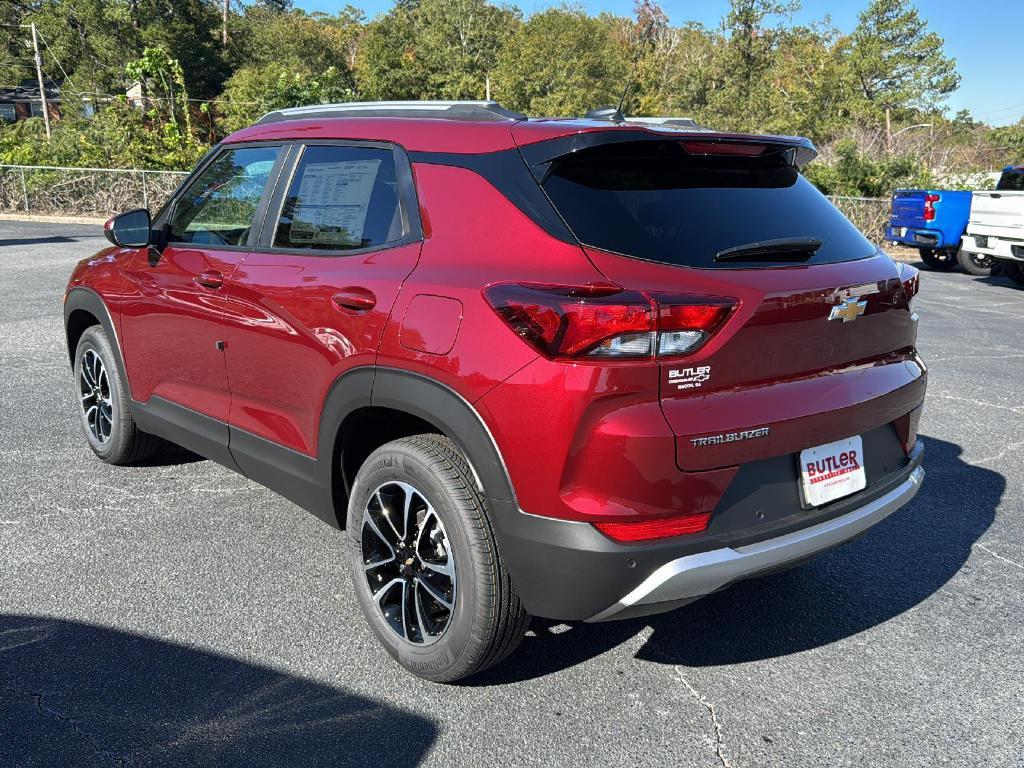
point(656, 528)
point(929, 206)
point(562, 321)
point(910, 277)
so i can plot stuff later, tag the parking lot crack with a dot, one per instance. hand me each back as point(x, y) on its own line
point(716, 724)
point(37, 700)
point(997, 556)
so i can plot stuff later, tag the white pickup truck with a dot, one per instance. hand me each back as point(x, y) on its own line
point(996, 224)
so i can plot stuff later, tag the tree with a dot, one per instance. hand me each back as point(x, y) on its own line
point(897, 63)
point(434, 49)
point(305, 43)
point(561, 62)
point(253, 91)
point(459, 42)
point(387, 64)
point(813, 87)
point(741, 97)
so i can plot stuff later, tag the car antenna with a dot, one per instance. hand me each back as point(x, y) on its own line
point(614, 114)
point(644, 40)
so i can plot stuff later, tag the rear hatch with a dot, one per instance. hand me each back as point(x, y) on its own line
point(1000, 213)
point(908, 209)
point(701, 222)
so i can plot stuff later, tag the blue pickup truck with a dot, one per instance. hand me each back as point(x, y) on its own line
point(933, 221)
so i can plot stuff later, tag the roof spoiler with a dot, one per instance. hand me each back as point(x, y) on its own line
point(539, 154)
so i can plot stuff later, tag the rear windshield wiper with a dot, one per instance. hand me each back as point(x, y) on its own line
point(783, 249)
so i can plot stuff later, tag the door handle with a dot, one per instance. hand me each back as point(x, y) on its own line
point(354, 299)
point(211, 278)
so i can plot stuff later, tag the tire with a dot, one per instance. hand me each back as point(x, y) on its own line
point(485, 621)
point(104, 406)
point(1015, 271)
point(977, 264)
point(938, 259)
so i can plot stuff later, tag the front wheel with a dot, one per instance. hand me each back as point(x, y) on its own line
point(977, 264)
point(105, 405)
point(943, 259)
point(426, 567)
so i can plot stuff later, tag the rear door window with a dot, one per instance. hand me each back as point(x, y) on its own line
point(218, 208)
point(1011, 180)
point(655, 201)
point(341, 198)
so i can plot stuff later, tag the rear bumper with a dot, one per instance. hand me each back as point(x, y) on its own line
point(918, 237)
point(997, 247)
point(687, 578)
point(569, 571)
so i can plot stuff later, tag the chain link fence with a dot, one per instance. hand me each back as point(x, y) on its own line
point(102, 192)
point(869, 214)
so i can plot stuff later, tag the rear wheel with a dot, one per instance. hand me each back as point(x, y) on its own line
point(1015, 271)
point(941, 259)
point(425, 564)
point(104, 403)
point(975, 263)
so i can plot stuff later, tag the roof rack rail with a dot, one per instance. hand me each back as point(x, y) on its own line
point(480, 111)
point(672, 122)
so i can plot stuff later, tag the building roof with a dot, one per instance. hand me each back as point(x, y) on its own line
point(28, 90)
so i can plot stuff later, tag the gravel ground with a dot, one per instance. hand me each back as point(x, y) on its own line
point(180, 615)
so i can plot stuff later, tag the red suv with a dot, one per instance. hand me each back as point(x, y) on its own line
point(582, 369)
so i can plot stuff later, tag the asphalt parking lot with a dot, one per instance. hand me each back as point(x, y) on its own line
point(180, 615)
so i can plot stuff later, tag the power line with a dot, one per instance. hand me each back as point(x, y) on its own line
point(54, 56)
point(1002, 109)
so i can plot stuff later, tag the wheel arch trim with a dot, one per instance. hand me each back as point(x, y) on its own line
point(420, 396)
point(85, 299)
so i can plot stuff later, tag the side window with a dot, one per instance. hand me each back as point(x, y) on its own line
point(219, 206)
point(341, 198)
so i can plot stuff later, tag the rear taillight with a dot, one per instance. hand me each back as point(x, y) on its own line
point(929, 206)
point(656, 528)
point(910, 277)
point(604, 320)
point(685, 323)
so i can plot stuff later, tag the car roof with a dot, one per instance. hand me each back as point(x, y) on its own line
point(469, 127)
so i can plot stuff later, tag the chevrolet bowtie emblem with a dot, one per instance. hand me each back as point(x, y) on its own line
point(848, 311)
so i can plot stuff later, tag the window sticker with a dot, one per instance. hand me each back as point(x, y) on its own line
point(332, 201)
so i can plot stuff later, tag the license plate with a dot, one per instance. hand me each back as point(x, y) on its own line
point(829, 472)
point(903, 231)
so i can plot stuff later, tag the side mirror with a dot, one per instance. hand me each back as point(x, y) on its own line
point(129, 230)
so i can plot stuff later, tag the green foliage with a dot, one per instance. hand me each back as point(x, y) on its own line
point(896, 63)
point(117, 136)
point(561, 62)
point(434, 49)
point(853, 172)
point(755, 71)
point(254, 91)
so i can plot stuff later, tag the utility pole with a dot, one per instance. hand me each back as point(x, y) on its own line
point(39, 76)
point(224, 26)
point(888, 130)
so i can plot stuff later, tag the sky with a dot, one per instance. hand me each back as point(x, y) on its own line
point(985, 37)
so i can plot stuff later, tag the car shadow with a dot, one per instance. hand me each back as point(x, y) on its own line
point(37, 240)
point(893, 567)
point(997, 279)
point(82, 695)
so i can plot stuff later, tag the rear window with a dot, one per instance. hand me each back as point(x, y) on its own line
point(1012, 180)
point(654, 201)
point(341, 198)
